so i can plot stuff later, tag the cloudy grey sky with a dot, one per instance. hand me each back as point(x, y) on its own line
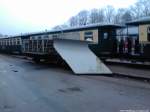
point(21, 16)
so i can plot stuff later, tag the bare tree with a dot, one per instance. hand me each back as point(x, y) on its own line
point(83, 17)
point(140, 9)
point(73, 21)
point(109, 13)
point(126, 17)
point(118, 16)
point(101, 15)
point(93, 18)
point(96, 16)
point(145, 7)
point(59, 27)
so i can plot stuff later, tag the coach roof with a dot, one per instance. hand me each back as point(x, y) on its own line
point(72, 29)
point(143, 20)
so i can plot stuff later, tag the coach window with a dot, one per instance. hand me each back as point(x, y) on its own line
point(18, 41)
point(55, 36)
point(45, 36)
point(105, 35)
point(14, 41)
point(148, 34)
point(11, 42)
point(4, 42)
point(7, 41)
point(39, 37)
point(88, 36)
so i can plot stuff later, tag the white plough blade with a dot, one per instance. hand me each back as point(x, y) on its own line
point(79, 57)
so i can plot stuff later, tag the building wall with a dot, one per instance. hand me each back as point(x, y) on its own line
point(95, 35)
point(143, 33)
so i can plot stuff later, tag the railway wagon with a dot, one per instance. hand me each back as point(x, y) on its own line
point(130, 42)
point(11, 45)
point(101, 38)
point(72, 47)
point(67, 45)
point(143, 25)
point(107, 41)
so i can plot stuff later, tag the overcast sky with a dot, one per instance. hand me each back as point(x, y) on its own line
point(20, 16)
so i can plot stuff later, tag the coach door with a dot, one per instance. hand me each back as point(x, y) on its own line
point(106, 40)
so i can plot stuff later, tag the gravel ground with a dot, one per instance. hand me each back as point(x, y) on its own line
point(29, 87)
